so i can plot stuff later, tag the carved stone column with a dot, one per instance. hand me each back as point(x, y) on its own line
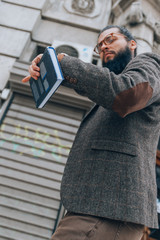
point(144, 36)
point(141, 27)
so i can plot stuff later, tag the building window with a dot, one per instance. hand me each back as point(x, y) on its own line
point(96, 60)
point(38, 50)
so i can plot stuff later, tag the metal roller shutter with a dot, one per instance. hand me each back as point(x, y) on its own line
point(34, 145)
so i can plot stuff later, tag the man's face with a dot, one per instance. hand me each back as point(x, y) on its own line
point(109, 51)
point(117, 53)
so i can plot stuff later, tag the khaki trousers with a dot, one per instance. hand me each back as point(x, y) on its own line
point(83, 227)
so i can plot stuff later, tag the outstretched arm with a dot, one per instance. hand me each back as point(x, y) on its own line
point(134, 89)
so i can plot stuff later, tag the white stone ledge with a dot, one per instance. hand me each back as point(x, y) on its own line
point(18, 17)
point(6, 64)
point(36, 4)
point(12, 42)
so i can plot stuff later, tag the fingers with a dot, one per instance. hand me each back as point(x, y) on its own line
point(34, 70)
point(60, 56)
point(35, 62)
point(26, 79)
point(37, 59)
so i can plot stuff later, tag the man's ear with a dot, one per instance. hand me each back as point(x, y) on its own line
point(132, 45)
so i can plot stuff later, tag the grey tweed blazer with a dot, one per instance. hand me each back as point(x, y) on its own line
point(110, 171)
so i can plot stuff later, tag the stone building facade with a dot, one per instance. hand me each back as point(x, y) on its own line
point(34, 144)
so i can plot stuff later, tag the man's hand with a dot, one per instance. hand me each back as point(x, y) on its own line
point(34, 70)
point(60, 56)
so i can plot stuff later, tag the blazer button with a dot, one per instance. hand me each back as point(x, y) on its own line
point(71, 80)
point(67, 78)
point(75, 81)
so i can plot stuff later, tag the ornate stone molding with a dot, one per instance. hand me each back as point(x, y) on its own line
point(119, 6)
point(155, 3)
point(136, 14)
point(86, 8)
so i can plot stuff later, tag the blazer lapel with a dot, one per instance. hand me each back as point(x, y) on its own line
point(93, 109)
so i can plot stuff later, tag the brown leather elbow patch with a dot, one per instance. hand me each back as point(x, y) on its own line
point(132, 99)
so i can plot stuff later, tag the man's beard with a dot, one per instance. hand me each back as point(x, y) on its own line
point(119, 62)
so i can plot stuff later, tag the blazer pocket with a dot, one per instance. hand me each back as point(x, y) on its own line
point(110, 145)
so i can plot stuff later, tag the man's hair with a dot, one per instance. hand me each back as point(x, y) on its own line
point(123, 31)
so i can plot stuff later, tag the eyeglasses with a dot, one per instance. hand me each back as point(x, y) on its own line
point(110, 38)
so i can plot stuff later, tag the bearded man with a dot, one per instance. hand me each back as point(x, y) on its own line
point(109, 185)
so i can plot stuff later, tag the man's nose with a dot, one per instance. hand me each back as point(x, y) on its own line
point(104, 46)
